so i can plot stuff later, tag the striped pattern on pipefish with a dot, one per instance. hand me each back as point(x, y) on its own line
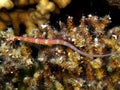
point(57, 41)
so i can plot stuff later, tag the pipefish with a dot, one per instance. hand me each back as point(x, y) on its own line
point(55, 42)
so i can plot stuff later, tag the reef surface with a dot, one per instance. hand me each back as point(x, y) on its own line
point(26, 64)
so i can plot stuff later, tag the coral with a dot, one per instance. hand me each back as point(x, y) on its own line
point(8, 4)
point(71, 64)
point(99, 23)
point(22, 3)
point(28, 19)
point(41, 61)
point(62, 3)
point(35, 55)
point(97, 63)
point(45, 6)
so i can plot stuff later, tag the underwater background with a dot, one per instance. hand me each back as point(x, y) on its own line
point(59, 44)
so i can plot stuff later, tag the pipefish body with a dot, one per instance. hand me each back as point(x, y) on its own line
point(55, 42)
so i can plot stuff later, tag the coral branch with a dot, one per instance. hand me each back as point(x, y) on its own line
point(8, 4)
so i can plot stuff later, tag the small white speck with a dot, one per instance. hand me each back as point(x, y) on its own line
point(109, 17)
point(29, 61)
point(73, 39)
point(69, 53)
point(90, 15)
point(89, 85)
point(44, 26)
point(61, 58)
point(96, 41)
point(10, 54)
point(118, 82)
point(114, 36)
point(40, 59)
point(6, 50)
point(75, 29)
point(70, 17)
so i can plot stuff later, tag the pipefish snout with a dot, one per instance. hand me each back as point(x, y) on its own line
point(57, 41)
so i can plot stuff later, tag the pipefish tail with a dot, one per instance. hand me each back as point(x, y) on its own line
point(57, 41)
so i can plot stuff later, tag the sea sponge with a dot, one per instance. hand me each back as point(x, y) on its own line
point(8, 4)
